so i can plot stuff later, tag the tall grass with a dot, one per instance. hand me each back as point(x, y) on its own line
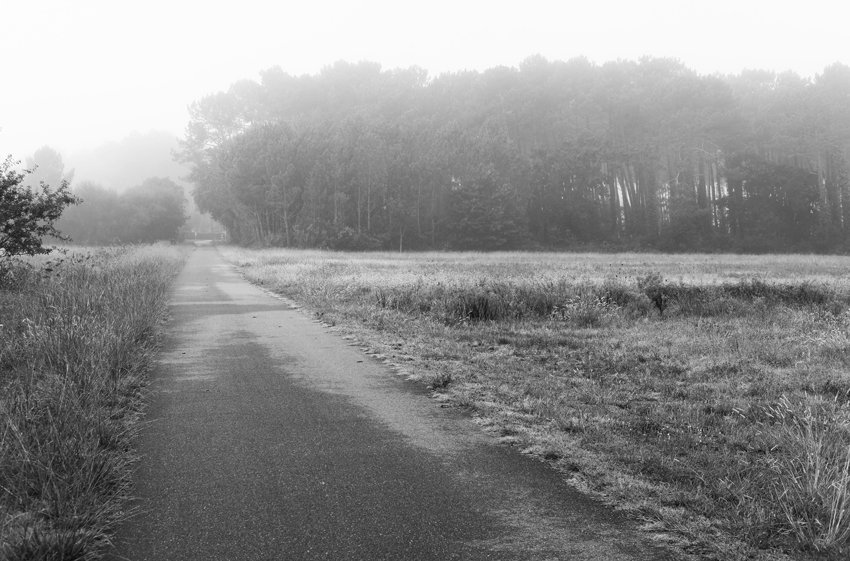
point(76, 337)
point(810, 464)
point(656, 381)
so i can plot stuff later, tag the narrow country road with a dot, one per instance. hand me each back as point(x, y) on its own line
point(269, 438)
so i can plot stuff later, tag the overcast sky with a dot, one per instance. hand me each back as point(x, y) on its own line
point(79, 73)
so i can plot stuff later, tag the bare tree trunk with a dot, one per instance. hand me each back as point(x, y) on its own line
point(419, 207)
point(358, 207)
point(286, 217)
point(615, 206)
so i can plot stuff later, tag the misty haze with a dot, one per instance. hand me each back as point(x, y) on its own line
point(458, 281)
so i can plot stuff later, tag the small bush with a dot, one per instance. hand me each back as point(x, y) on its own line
point(653, 286)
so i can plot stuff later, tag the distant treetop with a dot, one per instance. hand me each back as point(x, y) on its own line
point(553, 154)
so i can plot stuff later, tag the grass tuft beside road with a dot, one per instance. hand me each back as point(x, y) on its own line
point(78, 332)
point(706, 395)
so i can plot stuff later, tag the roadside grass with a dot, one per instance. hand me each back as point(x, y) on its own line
point(78, 332)
point(706, 395)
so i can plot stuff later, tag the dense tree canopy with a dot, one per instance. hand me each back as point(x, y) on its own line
point(46, 166)
point(149, 212)
point(27, 213)
point(550, 154)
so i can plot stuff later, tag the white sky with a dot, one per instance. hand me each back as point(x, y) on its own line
point(78, 73)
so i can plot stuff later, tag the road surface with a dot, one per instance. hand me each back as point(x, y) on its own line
point(270, 438)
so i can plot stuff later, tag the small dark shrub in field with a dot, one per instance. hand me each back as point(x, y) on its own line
point(656, 289)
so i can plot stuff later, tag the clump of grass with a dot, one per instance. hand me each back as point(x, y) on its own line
point(439, 380)
point(477, 304)
point(613, 291)
point(585, 310)
point(810, 465)
point(76, 340)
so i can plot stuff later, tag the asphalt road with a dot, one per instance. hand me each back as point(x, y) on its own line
point(270, 438)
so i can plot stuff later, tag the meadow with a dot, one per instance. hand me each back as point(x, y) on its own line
point(78, 330)
point(708, 396)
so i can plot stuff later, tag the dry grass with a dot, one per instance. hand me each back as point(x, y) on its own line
point(723, 422)
point(812, 481)
point(77, 334)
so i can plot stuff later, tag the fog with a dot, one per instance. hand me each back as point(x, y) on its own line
point(80, 75)
point(128, 161)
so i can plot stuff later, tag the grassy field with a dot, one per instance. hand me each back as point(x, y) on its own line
point(77, 332)
point(705, 395)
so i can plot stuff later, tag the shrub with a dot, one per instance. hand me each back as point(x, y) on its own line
point(653, 286)
point(27, 215)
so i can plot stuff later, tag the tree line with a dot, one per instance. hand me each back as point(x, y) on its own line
point(552, 154)
point(150, 211)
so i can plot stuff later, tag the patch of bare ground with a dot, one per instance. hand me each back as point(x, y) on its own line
point(706, 396)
